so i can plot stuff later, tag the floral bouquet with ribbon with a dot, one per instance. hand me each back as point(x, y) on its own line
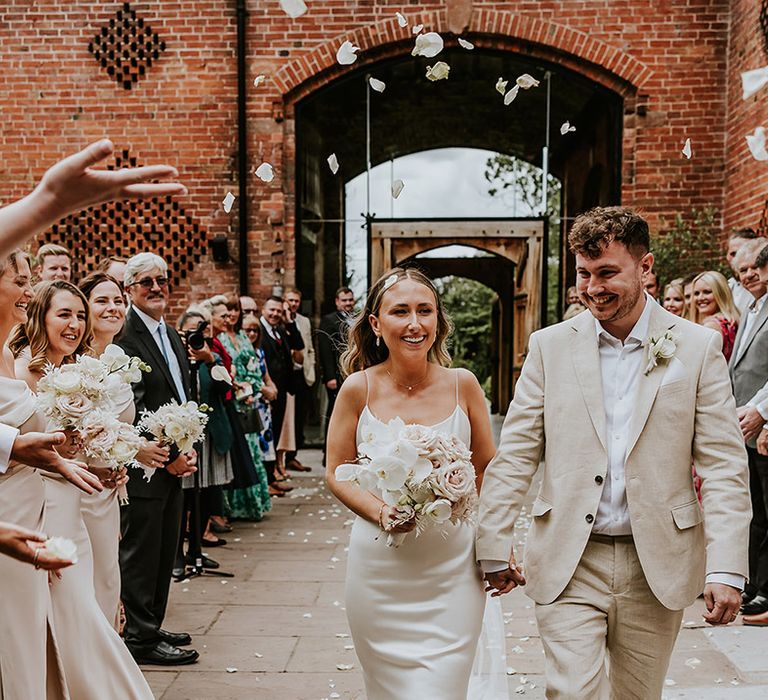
point(427, 477)
point(181, 425)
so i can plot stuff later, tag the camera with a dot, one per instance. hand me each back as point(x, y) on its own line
point(196, 339)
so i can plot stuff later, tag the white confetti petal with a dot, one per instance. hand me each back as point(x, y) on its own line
point(307, 615)
point(266, 173)
point(517, 650)
point(334, 695)
point(511, 671)
point(344, 667)
point(468, 45)
point(509, 98)
point(670, 683)
point(258, 80)
point(753, 80)
point(378, 85)
point(501, 86)
point(693, 662)
point(229, 200)
point(526, 81)
point(347, 53)
point(349, 647)
point(397, 188)
point(401, 20)
point(333, 163)
point(293, 8)
point(257, 655)
point(520, 690)
point(342, 635)
point(756, 143)
point(417, 28)
point(428, 45)
point(566, 127)
point(687, 149)
point(439, 71)
point(231, 669)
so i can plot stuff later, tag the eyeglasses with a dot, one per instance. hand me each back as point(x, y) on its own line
point(149, 282)
point(247, 312)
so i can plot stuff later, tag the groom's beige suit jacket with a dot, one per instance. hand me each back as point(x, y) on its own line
point(684, 414)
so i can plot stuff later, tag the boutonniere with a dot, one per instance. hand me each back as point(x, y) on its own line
point(662, 348)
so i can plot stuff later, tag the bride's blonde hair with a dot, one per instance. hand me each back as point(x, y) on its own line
point(363, 352)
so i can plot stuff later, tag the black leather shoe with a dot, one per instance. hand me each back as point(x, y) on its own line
point(178, 572)
point(757, 606)
point(176, 639)
point(165, 654)
point(208, 563)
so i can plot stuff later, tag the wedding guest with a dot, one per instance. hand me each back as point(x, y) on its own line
point(114, 266)
point(53, 262)
point(249, 307)
point(101, 511)
point(303, 373)
point(688, 292)
point(287, 444)
point(651, 284)
point(27, 634)
point(741, 297)
point(244, 501)
point(674, 298)
point(572, 296)
point(713, 307)
point(215, 461)
point(575, 307)
point(749, 377)
point(331, 341)
point(93, 656)
point(268, 393)
point(152, 519)
point(278, 354)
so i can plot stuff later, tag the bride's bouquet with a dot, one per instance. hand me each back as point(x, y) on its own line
point(427, 477)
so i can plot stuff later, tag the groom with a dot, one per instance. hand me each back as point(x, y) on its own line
point(617, 546)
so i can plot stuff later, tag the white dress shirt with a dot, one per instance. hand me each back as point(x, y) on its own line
point(621, 366)
point(8, 436)
point(159, 334)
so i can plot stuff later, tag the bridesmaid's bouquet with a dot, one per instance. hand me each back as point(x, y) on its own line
point(427, 477)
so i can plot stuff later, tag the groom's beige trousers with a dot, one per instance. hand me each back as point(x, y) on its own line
point(607, 611)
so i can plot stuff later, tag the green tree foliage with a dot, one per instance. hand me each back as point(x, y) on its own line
point(690, 245)
point(469, 305)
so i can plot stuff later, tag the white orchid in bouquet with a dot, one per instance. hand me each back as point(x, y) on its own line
point(427, 477)
point(176, 424)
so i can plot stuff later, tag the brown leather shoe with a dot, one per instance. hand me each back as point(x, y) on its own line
point(280, 485)
point(760, 620)
point(297, 466)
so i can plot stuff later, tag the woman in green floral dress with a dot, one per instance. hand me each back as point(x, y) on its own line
point(252, 502)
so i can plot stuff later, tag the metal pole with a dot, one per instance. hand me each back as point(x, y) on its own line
point(367, 145)
point(545, 150)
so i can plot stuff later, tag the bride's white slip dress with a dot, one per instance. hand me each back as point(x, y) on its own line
point(416, 611)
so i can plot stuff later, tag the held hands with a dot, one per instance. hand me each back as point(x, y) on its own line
point(20, 543)
point(39, 450)
point(391, 521)
point(501, 582)
point(269, 392)
point(750, 421)
point(153, 454)
point(723, 603)
point(183, 465)
point(762, 443)
point(332, 384)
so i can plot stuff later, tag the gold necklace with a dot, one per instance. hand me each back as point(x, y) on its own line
point(407, 386)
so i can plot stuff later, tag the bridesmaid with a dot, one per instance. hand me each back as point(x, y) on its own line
point(95, 661)
point(101, 511)
point(249, 503)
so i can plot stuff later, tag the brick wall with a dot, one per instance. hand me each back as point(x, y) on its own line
point(670, 59)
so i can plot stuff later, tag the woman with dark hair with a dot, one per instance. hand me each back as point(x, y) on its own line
point(101, 511)
point(398, 367)
point(250, 502)
point(95, 661)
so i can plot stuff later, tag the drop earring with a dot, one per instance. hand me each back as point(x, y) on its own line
point(378, 341)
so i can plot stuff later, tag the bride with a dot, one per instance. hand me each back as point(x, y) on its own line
point(415, 611)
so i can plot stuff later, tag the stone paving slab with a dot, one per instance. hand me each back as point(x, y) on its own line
point(282, 573)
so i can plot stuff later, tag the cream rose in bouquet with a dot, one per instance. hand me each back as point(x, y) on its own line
point(426, 476)
point(176, 424)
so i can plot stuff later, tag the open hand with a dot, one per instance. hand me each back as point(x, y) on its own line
point(501, 582)
point(723, 603)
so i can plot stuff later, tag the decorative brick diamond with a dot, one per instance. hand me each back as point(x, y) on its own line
point(157, 225)
point(126, 47)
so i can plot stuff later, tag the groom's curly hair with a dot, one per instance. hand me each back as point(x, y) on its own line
point(596, 229)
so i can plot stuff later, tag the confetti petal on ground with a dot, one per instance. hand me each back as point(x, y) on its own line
point(428, 45)
point(501, 86)
point(347, 53)
point(349, 647)
point(670, 683)
point(258, 80)
point(417, 28)
point(693, 662)
point(753, 80)
point(401, 20)
point(526, 81)
point(509, 98)
point(397, 188)
point(439, 71)
point(293, 8)
point(566, 127)
point(257, 655)
point(229, 200)
point(231, 669)
point(333, 163)
point(307, 615)
point(344, 667)
point(468, 45)
point(265, 172)
point(378, 85)
point(334, 695)
point(756, 143)
point(517, 650)
point(520, 690)
point(687, 149)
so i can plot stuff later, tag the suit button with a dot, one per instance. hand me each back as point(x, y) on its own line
point(598, 479)
point(589, 517)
